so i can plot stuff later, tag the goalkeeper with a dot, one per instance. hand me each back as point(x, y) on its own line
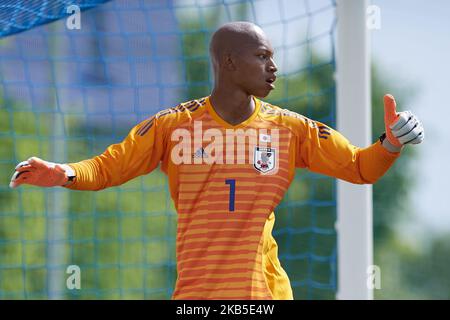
point(225, 248)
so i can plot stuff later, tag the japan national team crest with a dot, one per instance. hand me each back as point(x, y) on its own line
point(264, 159)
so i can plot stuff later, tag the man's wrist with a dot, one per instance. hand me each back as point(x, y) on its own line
point(70, 174)
point(389, 146)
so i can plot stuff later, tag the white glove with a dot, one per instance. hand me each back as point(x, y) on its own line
point(401, 127)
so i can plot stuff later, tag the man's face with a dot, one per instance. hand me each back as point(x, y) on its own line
point(255, 67)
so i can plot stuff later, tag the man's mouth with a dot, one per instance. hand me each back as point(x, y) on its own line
point(271, 80)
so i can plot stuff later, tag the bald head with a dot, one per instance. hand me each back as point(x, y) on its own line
point(242, 59)
point(233, 37)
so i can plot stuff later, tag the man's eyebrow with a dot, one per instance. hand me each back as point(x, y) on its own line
point(266, 50)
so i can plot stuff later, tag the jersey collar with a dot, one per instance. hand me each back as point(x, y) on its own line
point(224, 123)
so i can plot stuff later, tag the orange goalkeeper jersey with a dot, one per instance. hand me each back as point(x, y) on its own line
point(226, 182)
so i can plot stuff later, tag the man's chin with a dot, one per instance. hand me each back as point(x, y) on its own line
point(262, 93)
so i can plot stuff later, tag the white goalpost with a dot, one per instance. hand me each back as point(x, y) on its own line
point(354, 202)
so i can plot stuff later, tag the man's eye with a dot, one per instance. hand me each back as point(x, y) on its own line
point(263, 56)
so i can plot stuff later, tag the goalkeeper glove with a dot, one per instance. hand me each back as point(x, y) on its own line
point(401, 127)
point(38, 172)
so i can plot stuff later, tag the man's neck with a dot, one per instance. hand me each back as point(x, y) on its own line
point(234, 107)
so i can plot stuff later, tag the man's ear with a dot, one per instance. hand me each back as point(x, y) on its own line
point(229, 62)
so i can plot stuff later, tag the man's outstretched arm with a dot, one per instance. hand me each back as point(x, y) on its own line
point(139, 153)
point(326, 151)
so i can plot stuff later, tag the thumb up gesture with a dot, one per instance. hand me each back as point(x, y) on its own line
point(401, 127)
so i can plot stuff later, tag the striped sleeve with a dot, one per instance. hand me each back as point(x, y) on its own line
point(139, 153)
point(324, 150)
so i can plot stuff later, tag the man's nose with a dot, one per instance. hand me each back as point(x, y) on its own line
point(272, 66)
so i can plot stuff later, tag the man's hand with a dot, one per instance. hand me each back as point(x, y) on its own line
point(38, 172)
point(401, 127)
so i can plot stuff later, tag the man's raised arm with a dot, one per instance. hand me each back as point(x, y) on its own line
point(326, 151)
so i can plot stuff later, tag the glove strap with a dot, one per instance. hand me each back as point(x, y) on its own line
point(70, 174)
point(387, 145)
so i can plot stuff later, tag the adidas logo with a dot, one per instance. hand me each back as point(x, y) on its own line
point(324, 132)
point(200, 153)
